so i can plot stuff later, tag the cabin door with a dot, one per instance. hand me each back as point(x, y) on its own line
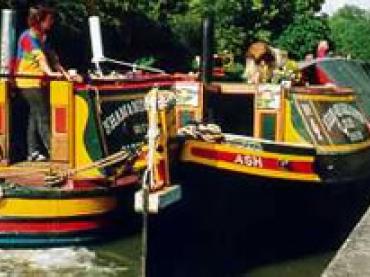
point(62, 118)
point(268, 111)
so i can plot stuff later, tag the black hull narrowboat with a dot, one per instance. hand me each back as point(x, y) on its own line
point(314, 134)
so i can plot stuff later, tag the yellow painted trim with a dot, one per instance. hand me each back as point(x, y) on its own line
point(71, 128)
point(325, 97)
point(343, 148)
point(54, 208)
point(269, 173)
point(81, 156)
point(139, 165)
point(4, 138)
point(187, 156)
point(139, 95)
point(244, 151)
point(3, 89)
point(290, 133)
point(60, 93)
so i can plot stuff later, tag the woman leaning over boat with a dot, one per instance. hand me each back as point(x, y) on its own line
point(32, 60)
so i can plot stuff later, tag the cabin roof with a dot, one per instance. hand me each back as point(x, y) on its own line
point(323, 89)
point(134, 81)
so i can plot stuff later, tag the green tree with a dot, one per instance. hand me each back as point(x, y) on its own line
point(350, 28)
point(303, 34)
point(170, 30)
point(240, 22)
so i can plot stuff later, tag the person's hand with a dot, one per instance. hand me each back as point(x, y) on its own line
point(67, 76)
point(57, 75)
point(77, 78)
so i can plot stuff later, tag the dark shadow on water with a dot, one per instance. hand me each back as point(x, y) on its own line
point(227, 228)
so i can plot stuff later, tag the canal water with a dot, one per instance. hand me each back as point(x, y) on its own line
point(220, 228)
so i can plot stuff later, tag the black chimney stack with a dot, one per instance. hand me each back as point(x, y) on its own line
point(207, 53)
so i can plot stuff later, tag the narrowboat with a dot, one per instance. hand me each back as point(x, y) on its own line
point(309, 134)
point(97, 153)
point(45, 202)
point(97, 135)
point(316, 134)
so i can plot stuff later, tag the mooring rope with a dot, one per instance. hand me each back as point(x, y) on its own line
point(59, 176)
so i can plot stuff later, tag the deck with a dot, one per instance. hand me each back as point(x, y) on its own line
point(31, 173)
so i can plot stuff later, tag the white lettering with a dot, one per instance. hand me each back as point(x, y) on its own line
point(250, 161)
point(329, 119)
point(118, 116)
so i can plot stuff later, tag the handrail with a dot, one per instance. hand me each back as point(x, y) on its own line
point(30, 76)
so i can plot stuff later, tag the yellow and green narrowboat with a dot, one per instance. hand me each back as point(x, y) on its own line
point(97, 154)
point(311, 134)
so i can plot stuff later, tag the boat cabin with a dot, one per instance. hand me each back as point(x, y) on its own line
point(90, 122)
point(315, 115)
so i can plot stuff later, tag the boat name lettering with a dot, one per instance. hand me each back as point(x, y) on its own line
point(307, 109)
point(343, 116)
point(337, 111)
point(248, 160)
point(119, 115)
point(316, 129)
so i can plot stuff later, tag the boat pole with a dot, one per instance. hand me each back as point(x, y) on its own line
point(207, 50)
point(96, 43)
point(8, 40)
point(149, 178)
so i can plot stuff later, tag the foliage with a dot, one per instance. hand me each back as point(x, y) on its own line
point(170, 30)
point(301, 37)
point(5, 4)
point(350, 27)
point(240, 22)
point(234, 72)
point(289, 72)
point(145, 61)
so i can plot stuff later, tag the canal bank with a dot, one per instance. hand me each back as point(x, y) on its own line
point(352, 259)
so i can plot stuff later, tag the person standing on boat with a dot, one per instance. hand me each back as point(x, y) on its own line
point(322, 51)
point(32, 61)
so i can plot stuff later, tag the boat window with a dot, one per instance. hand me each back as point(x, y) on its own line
point(336, 121)
point(268, 126)
point(233, 112)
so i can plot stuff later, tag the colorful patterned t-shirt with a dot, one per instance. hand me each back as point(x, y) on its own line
point(29, 54)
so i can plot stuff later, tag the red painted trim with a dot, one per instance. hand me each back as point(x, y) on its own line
point(301, 167)
point(60, 120)
point(87, 183)
point(137, 82)
point(268, 163)
point(161, 167)
point(127, 86)
point(126, 181)
point(2, 120)
point(39, 227)
point(322, 77)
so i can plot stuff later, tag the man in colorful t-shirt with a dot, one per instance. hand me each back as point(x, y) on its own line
point(32, 61)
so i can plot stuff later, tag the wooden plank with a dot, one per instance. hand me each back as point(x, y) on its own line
point(236, 88)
